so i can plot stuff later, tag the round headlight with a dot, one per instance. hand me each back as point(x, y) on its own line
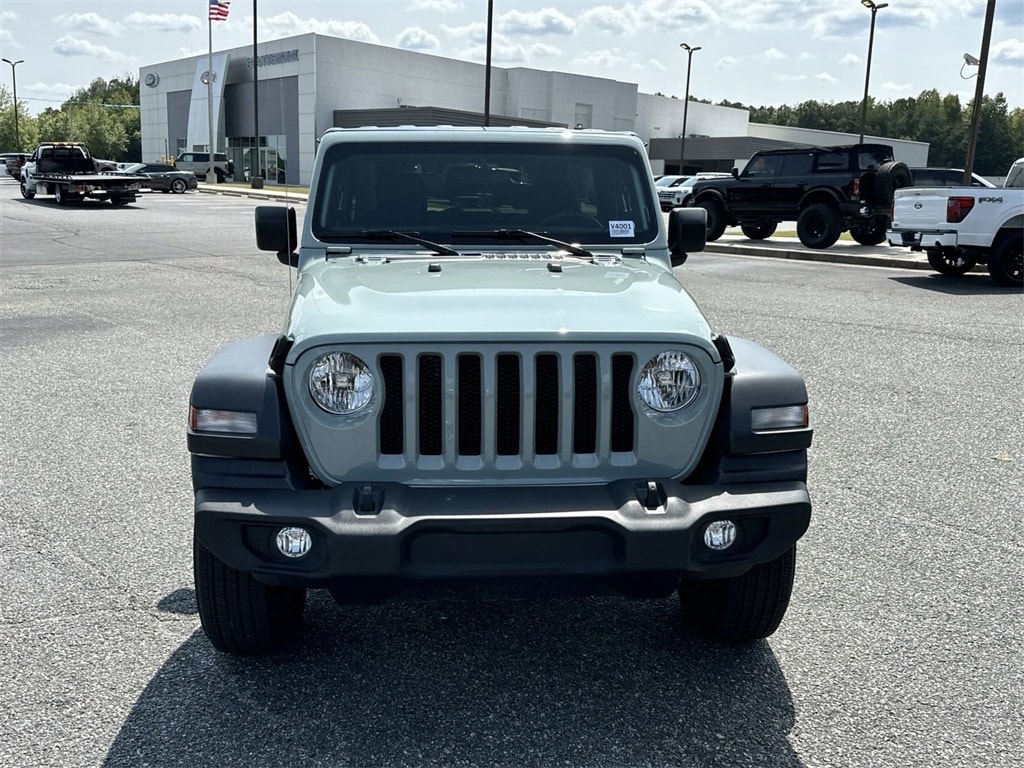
point(340, 383)
point(669, 381)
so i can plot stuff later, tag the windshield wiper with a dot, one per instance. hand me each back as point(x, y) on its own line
point(523, 234)
point(390, 234)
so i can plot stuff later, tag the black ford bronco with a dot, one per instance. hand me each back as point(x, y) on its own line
point(825, 190)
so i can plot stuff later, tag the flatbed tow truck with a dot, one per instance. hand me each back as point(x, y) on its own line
point(67, 171)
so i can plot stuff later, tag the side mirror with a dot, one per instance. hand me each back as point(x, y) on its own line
point(276, 230)
point(735, 172)
point(687, 232)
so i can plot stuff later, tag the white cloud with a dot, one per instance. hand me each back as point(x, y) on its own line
point(655, 64)
point(417, 39)
point(288, 24)
point(896, 87)
point(774, 53)
point(88, 22)
point(476, 32)
point(1009, 52)
point(825, 77)
point(546, 21)
point(162, 22)
point(505, 51)
point(611, 57)
point(436, 6)
point(73, 46)
point(850, 60)
point(727, 62)
point(780, 78)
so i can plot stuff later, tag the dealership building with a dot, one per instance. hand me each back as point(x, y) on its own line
point(296, 88)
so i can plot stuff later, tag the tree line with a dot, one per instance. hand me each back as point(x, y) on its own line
point(104, 117)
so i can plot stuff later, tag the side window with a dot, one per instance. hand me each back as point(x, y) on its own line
point(832, 161)
point(762, 166)
point(795, 165)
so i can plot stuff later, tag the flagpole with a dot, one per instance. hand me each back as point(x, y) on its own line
point(210, 175)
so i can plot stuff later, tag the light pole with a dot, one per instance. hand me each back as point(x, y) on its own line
point(14, 82)
point(874, 8)
point(690, 50)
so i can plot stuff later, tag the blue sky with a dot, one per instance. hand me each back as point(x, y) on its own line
point(758, 52)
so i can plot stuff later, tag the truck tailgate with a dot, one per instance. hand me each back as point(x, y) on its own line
point(916, 208)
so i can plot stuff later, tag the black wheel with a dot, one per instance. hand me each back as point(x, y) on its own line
point(819, 226)
point(26, 191)
point(178, 186)
point(60, 195)
point(716, 218)
point(759, 231)
point(744, 608)
point(118, 200)
point(1006, 262)
point(952, 263)
point(239, 614)
point(869, 234)
point(890, 177)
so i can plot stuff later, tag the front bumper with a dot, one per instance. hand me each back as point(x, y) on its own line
point(391, 531)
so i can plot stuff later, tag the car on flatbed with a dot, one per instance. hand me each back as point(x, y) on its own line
point(492, 383)
point(825, 190)
point(162, 177)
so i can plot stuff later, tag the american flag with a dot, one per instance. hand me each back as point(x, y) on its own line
point(219, 10)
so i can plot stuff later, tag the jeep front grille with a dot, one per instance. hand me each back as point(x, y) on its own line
point(491, 405)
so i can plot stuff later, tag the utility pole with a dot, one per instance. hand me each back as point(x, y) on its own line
point(979, 92)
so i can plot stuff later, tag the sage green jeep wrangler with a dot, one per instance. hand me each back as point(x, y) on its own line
point(491, 383)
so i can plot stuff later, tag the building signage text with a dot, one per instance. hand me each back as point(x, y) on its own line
point(273, 58)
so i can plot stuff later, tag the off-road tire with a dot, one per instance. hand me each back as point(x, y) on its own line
point(239, 614)
point(869, 234)
point(759, 231)
point(716, 218)
point(744, 608)
point(819, 226)
point(950, 263)
point(178, 186)
point(890, 177)
point(1006, 261)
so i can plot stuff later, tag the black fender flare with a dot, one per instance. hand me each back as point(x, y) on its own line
point(758, 378)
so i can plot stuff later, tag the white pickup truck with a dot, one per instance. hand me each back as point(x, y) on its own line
point(958, 227)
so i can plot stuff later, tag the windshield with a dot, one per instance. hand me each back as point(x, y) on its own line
point(574, 192)
point(134, 167)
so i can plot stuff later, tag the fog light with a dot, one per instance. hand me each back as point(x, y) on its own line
point(293, 542)
point(720, 535)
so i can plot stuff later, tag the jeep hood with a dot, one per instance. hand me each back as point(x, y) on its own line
point(415, 299)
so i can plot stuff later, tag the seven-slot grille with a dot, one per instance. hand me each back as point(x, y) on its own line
point(543, 404)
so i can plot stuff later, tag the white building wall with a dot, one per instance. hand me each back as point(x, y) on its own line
point(661, 117)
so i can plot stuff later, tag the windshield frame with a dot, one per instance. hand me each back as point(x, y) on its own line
point(609, 184)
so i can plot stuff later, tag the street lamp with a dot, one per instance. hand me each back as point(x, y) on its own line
point(690, 50)
point(874, 8)
point(14, 82)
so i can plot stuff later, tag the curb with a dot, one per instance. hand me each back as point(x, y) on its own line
point(824, 256)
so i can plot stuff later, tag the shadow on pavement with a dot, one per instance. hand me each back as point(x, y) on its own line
point(597, 682)
point(966, 285)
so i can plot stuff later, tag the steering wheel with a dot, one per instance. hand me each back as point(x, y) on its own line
point(570, 219)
